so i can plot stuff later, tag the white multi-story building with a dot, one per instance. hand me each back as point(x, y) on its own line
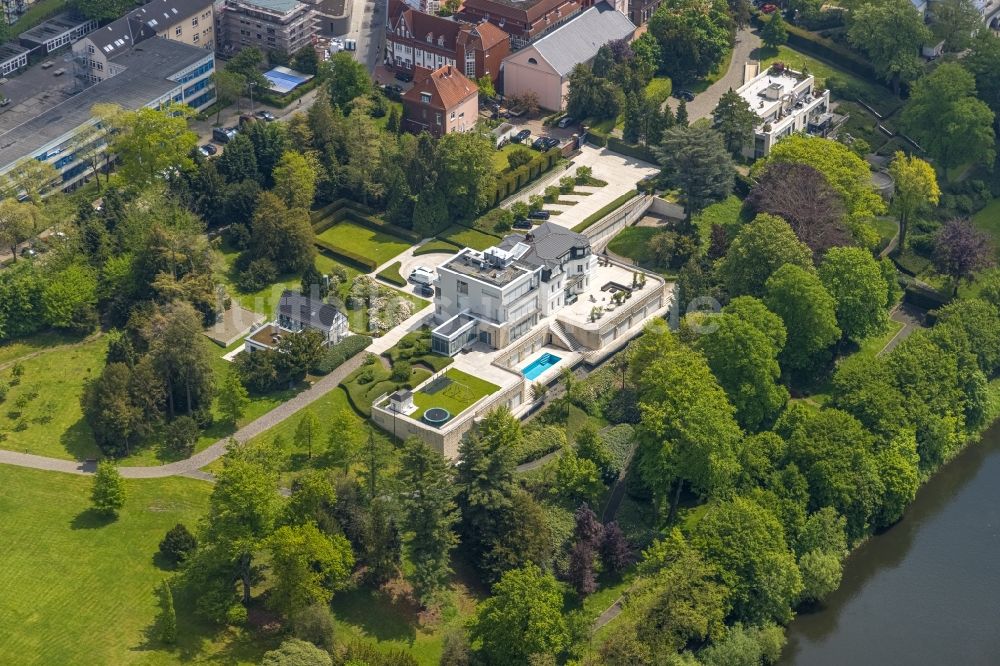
point(497, 295)
point(786, 101)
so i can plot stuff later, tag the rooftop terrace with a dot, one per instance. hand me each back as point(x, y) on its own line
point(774, 95)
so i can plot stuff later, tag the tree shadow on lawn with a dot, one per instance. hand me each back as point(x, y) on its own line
point(91, 519)
point(78, 441)
point(376, 614)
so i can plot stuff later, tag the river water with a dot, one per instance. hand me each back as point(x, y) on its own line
point(926, 591)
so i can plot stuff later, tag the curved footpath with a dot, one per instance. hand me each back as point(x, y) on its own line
point(191, 466)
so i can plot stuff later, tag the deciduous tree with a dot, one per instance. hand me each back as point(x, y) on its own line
point(233, 398)
point(17, 223)
point(307, 431)
point(306, 566)
point(150, 143)
point(774, 33)
point(890, 33)
point(295, 180)
point(693, 36)
point(956, 22)
point(759, 249)
point(346, 78)
point(946, 118)
point(810, 314)
point(108, 492)
point(854, 279)
point(961, 250)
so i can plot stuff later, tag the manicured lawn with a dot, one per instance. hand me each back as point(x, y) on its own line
point(465, 237)
point(633, 242)
point(870, 347)
point(391, 274)
point(43, 342)
point(455, 391)
point(886, 228)
point(78, 589)
point(988, 219)
point(375, 245)
point(500, 162)
point(433, 246)
point(876, 95)
point(50, 420)
point(725, 213)
point(659, 86)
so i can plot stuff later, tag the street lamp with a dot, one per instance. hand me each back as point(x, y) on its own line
point(251, 86)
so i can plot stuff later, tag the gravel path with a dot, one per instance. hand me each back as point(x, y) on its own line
point(911, 318)
point(705, 102)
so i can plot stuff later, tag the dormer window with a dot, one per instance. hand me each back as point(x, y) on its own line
point(425, 98)
point(441, 40)
point(430, 38)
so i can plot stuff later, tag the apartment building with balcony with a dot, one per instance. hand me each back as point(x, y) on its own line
point(786, 101)
point(269, 25)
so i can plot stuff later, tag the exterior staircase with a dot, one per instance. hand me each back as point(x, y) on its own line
point(566, 338)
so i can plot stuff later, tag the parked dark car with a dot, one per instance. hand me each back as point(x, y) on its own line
point(266, 115)
point(223, 134)
point(551, 142)
point(539, 143)
point(521, 136)
point(685, 95)
point(208, 150)
point(522, 224)
point(539, 215)
point(565, 122)
point(424, 290)
point(405, 77)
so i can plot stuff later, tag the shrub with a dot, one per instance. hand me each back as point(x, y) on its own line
point(551, 193)
point(337, 355)
point(566, 184)
point(178, 544)
point(258, 274)
point(401, 371)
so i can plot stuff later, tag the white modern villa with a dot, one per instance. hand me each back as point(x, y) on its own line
point(515, 315)
point(786, 101)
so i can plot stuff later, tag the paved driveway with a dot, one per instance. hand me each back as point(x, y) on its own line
point(620, 172)
point(705, 102)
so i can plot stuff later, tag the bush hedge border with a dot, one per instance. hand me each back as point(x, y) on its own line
point(593, 218)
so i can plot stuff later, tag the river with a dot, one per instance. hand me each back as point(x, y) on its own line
point(926, 591)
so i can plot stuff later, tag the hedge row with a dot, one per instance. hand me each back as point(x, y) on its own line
point(391, 274)
point(511, 181)
point(282, 101)
point(378, 224)
point(614, 205)
point(340, 210)
point(637, 151)
point(596, 137)
point(337, 355)
point(348, 257)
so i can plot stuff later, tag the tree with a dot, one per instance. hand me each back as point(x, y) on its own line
point(166, 619)
point(890, 33)
point(695, 160)
point(246, 63)
point(69, 298)
point(983, 60)
point(103, 10)
point(282, 235)
point(180, 435)
point(591, 96)
point(233, 398)
point(152, 142)
point(17, 223)
point(688, 431)
point(429, 516)
point(809, 312)
point(242, 511)
point(774, 33)
point(976, 319)
point(681, 119)
point(182, 362)
point(305, 60)
point(693, 37)
point(745, 362)
point(306, 567)
point(854, 279)
point(295, 652)
point(228, 88)
point(108, 492)
point(747, 544)
point(580, 572)
point(865, 389)
point(464, 164)
point(916, 187)
point(735, 120)
point(485, 85)
point(591, 446)
point(745, 645)
point(759, 249)
point(110, 410)
point(616, 554)
point(961, 250)
point(178, 544)
point(295, 180)
point(238, 161)
point(518, 157)
point(521, 618)
point(307, 431)
point(577, 478)
point(345, 439)
point(799, 194)
point(346, 78)
point(956, 22)
point(946, 118)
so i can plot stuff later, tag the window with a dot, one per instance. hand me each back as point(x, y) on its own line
point(532, 61)
point(452, 115)
point(194, 22)
point(177, 31)
point(463, 287)
point(425, 98)
point(195, 38)
point(90, 48)
point(437, 118)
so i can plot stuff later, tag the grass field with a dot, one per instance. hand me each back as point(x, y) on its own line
point(455, 391)
point(51, 422)
point(465, 237)
point(375, 245)
point(79, 590)
point(659, 86)
point(633, 243)
point(988, 219)
point(500, 162)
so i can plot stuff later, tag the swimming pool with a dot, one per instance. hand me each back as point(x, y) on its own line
point(539, 365)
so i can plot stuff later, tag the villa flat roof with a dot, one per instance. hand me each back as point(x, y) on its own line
point(759, 90)
point(469, 262)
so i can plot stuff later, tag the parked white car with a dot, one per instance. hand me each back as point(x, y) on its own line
point(422, 275)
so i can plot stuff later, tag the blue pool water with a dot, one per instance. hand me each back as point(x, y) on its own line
point(540, 365)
